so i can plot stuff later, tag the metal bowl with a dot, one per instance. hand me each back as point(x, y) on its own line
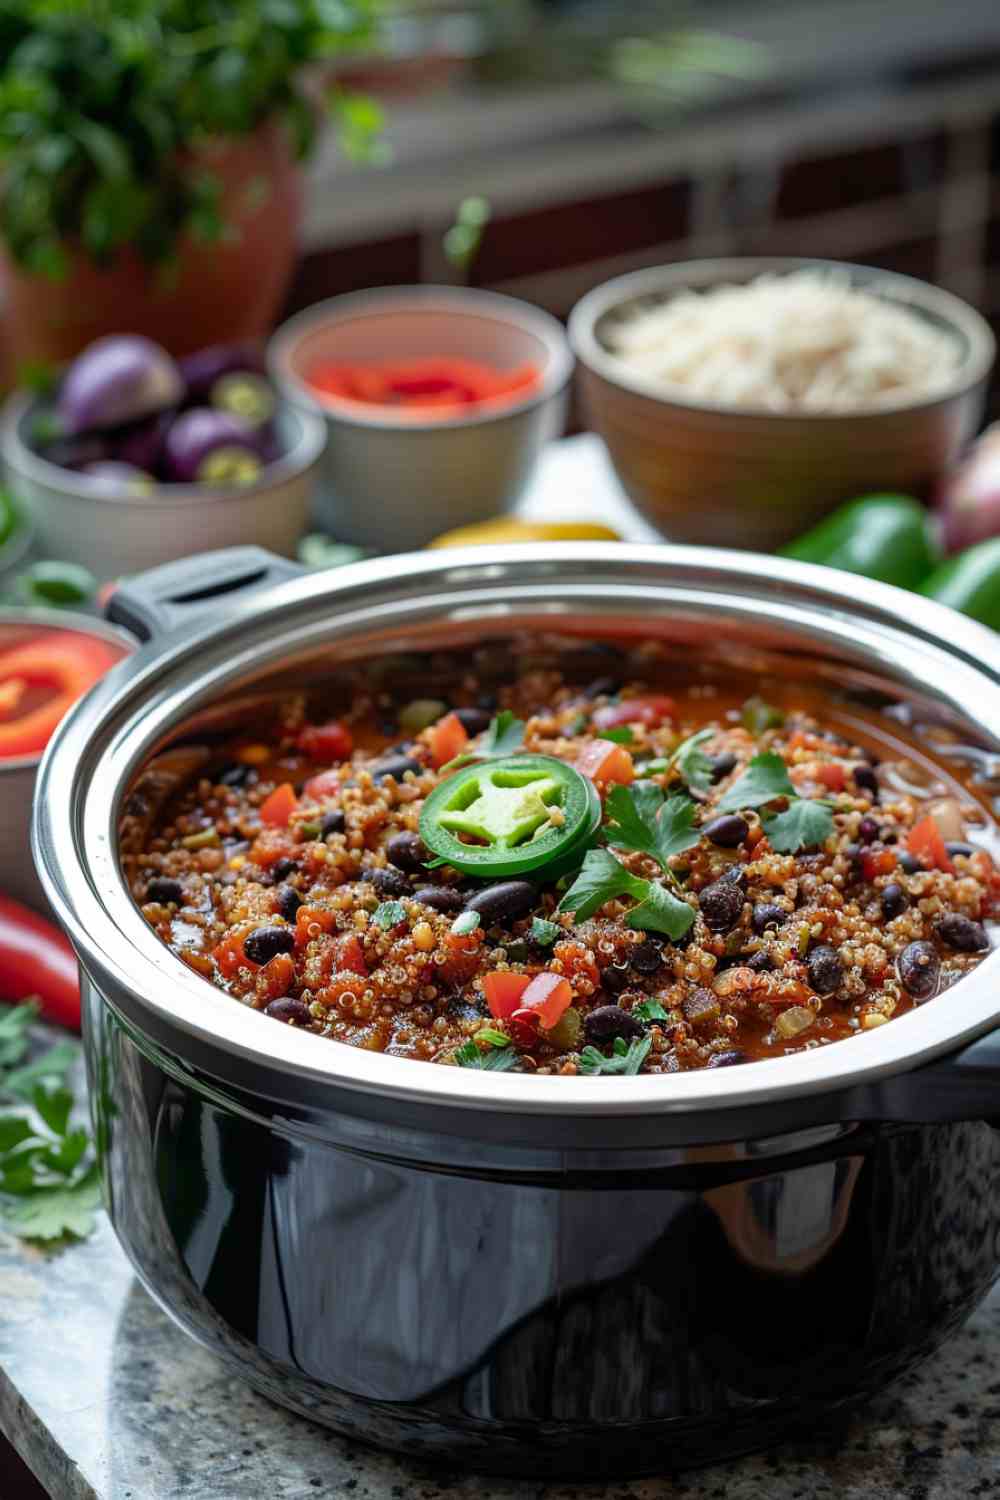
point(77, 519)
point(393, 481)
point(538, 1275)
point(744, 478)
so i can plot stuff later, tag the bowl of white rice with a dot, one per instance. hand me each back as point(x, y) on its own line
point(742, 399)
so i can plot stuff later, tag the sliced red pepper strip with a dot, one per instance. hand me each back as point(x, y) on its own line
point(37, 960)
point(548, 995)
point(503, 991)
point(62, 663)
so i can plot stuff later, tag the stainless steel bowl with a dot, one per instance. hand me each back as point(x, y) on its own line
point(76, 518)
point(533, 1274)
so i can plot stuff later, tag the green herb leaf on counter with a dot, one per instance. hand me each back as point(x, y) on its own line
point(641, 819)
point(388, 914)
point(544, 933)
point(469, 1056)
point(52, 1212)
point(15, 1022)
point(650, 1010)
point(624, 1059)
point(805, 825)
point(756, 716)
point(505, 736)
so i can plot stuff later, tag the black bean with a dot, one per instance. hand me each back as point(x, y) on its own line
point(615, 978)
point(289, 901)
point(234, 775)
point(726, 1059)
point(919, 969)
point(955, 846)
point(761, 963)
point(289, 1009)
point(865, 778)
point(440, 898)
point(737, 875)
point(722, 764)
point(826, 972)
point(503, 902)
point(265, 943)
point(963, 933)
point(487, 701)
point(602, 687)
point(407, 851)
point(473, 720)
point(334, 822)
point(283, 869)
point(890, 836)
point(389, 882)
point(894, 900)
point(610, 1021)
point(166, 892)
point(868, 830)
point(765, 915)
point(721, 904)
point(727, 831)
point(646, 957)
point(395, 766)
point(909, 863)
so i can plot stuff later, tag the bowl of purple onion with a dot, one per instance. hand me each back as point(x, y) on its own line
point(134, 458)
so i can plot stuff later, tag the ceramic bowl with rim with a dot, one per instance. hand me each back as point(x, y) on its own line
point(736, 477)
point(394, 481)
point(76, 518)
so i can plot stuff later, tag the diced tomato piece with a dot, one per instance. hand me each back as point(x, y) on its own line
point(448, 739)
point(312, 916)
point(876, 862)
point(604, 761)
point(652, 708)
point(925, 843)
point(503, 991)
point(524, 1027)
point(831, 774)
point(549, 995)
point(332, 741)
point(229, 955)
point(275, 977)
point(798, 740)
point(350, 954)
point(277, 809)
point(326, 784)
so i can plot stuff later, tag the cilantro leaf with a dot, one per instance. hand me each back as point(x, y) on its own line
point(765, 778)
point(499, 1061)
point(601, 879)
point(61, 1209)
point(622, 735)
point(544, 933)
point(14, 1023)
point(505, 736)
point(661, 911)
point(691, 761)
point(388, 914)
point(55, 1063)
point(54, 1106)
point(756, 715)
point(805, 825)
point(624, 1059)
point(640, 819)
point(650, 1010)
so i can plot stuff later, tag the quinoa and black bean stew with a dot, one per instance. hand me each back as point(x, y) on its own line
point(639, 874)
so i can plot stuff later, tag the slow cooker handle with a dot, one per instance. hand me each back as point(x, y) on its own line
point(964, 1085)
point(162, 598)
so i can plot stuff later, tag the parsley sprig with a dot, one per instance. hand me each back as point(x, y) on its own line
point(696, 768)
point(643, 820)
point(624, 1058)
point(504, 736)
point(604, 878)
point(49, 1186)
point(498, 1061)
point(806, 823)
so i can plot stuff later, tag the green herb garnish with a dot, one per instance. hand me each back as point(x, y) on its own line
point(756, 715)
point(694, 765)
point(388, 914)
point(544, 933)
point(624, 1059)
point(806, 823)
point(49, 1185)
point(641, 819)
point(469, 1056)
point(661, 911)
point(621, 735)
point(650, 1010)
point(604, 878)
point(494, 1037)
point(505, 736)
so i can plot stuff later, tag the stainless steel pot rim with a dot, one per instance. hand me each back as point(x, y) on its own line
point(58, 619)
point(309, 441)
point(908, 290)
point(109, 733)
point(374, 302)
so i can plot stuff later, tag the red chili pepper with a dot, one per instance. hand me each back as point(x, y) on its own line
point(652, 708)
point(36, 959)
point(60, 666)
point(332, 741)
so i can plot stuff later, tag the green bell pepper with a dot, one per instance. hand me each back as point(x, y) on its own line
point(886, 537)
point(970, 583)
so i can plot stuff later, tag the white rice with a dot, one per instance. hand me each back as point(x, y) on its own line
point(805, 341)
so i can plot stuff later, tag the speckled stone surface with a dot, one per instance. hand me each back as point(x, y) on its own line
point(106, 1400)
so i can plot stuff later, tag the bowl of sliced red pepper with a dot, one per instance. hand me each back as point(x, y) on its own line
point(48, 659)
point(437, 402)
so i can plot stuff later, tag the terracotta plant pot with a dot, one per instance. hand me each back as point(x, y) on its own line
point(227, 289)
